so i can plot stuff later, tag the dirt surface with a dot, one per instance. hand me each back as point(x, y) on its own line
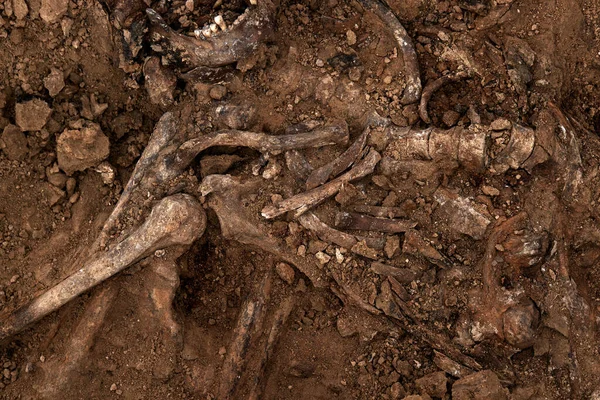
point(492, 292)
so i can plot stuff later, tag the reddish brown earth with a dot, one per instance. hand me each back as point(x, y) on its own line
point(361, 335)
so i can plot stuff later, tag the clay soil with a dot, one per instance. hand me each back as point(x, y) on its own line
point(328, 60)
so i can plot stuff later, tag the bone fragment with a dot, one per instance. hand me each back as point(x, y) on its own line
point(266, 351)
point(249, 325)
point(332, 169)
point(378, 211)
point(175, 220)
point(346, 220)
point(323, 136)
point(225, 200)
point(432, 87)
point(412, 92)
point(59, 371)
point(305, 201)
point(311, 222)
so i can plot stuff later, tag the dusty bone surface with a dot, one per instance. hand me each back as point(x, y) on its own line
point(429, 283)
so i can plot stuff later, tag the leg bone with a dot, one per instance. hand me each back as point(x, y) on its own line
point(175, 220)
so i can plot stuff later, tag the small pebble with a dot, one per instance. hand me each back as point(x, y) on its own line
point(490, 190)
point(322, 257)
point(350, 37)
point(285, 272)
point(217, 92)
point(500, 124)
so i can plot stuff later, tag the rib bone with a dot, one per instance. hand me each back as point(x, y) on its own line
point(412, 92)
point(305, 201)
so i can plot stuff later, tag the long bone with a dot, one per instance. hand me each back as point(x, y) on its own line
point(214, 50)
point(175, 221)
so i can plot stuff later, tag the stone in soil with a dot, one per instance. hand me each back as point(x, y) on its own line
point(463, 214)
point(20, 9)
point(79, 149)
point(483, 385)
point(52, 10)
point(54, 82)
point(285, 272)
point(32, 115)
point(433, 384)
point(51, 193)
point(500, 124)
point(14, 143)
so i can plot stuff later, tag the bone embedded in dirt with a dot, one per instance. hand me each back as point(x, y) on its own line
point(32, 115)
point(463, 214)
point(176, 220)
point(517, 151)
point(473, 148)
point(79, 149)
point(52, 10)
point(160, 82)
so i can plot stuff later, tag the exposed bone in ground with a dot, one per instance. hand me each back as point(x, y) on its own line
point(435, 243)
point(175, 221)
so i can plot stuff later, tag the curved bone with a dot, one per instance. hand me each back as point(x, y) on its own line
point(412, 92)
point(175, 220)
point(166, 156)
point(332, 169)
point(432, 87)
point(318, 137)
point(238, 42)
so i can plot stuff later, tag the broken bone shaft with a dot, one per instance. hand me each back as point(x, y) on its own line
point(175, 220)
point(302, 202)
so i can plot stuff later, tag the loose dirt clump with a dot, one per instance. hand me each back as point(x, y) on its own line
point(299, 199)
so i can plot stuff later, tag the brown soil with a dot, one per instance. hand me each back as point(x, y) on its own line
point(522, 53)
